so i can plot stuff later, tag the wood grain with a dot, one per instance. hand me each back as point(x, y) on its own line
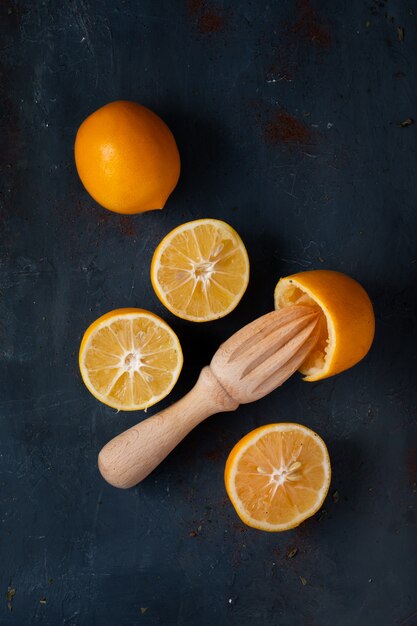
point(131, 456)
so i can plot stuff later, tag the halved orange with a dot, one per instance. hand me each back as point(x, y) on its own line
point(347, 322)
point(200, 270)
point(277, 476)
point(130, 359)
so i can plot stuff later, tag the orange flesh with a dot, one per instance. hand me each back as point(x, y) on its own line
point(316, 359)
point(201, 271)
point(348, 320)
point(267, 486)
point(130, 360)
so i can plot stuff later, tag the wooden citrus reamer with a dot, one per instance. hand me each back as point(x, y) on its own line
point(253, 362)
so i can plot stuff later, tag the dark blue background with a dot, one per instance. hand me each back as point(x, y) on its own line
point(344, 199)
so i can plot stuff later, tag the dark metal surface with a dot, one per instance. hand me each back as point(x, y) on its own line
point(333, 188)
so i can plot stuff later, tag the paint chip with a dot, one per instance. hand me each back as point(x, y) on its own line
point(11, 592)
point(292, 553)
point(407, 122)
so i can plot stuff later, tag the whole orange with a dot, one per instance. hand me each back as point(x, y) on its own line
point(127, 158)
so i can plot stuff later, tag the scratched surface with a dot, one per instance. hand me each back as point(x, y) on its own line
point(287, 119)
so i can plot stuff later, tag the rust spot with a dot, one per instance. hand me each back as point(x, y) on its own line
point(297, 36)
point(280, 70)
point(214, 455)
point(284, 128)
point(240, 528)
point(11, 126)
point(104, 218)
point(9, 122)
point(194, 5)
point(127, 226)
point(211, 22)
point(309, 26)
point(412, 465)
point(210, 17)
point(11, 13)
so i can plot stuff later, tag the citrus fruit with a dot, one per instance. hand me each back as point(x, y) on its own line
point(130, 359)
point(200, 270)
point(347, 319)
point(277, 476)
point(127, 158)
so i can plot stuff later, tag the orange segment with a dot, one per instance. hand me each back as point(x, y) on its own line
point(347, 322)
point(277, 476)
point(200, 270)
point(130, 359)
